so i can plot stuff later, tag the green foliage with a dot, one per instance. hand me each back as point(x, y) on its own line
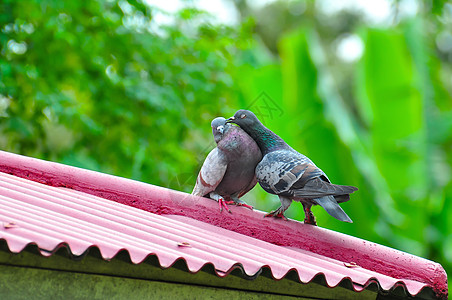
point(99, 85)
point(97, 89)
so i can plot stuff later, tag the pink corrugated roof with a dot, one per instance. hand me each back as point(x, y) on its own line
point(52, 205)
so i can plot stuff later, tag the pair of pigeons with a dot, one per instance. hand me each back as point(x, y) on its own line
point(252, 153)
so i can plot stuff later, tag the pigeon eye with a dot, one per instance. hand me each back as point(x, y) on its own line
point(243, 116)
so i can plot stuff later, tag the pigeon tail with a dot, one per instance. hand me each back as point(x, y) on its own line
point(331, 207)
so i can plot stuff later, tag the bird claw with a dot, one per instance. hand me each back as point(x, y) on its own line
point(310, 221)
point(239, 204)
point(276, 214)
point(309, 216)
point(245, 205)
point(223, 204)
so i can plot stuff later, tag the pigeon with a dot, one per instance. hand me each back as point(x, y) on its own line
point(228, 171)
point(291, 175)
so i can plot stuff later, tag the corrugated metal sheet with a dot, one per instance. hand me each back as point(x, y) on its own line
point(51, 216)
point(34, 213)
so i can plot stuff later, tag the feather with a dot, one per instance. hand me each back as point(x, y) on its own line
point(330, 205)
point(291, 175)
point(211, 173)
point(228, 170)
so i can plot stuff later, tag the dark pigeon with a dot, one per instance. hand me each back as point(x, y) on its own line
point(291, 175)
point(228, 170)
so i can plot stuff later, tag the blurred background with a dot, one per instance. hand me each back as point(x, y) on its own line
point(364, 88)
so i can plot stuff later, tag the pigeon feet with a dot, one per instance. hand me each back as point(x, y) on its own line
point(309, 216)
point(310, 221)
point(223, 204)
point(245, 205)
point(277, 214)
point(240, 203)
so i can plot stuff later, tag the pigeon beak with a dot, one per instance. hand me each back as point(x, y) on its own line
point(230, 120)
point(220, 129)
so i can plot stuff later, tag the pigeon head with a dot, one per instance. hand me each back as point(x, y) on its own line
point(219, 128)
point(266, 139)
point(245, 119)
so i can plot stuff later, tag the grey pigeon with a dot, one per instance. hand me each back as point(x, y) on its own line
point(291, 175)
point(228, 170)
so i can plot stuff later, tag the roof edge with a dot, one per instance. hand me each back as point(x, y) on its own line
point(163, 201)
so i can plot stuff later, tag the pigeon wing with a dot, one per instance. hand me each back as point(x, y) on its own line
point(316, 188)
point(280, 170)
point(292, 174)
point(211, 173)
